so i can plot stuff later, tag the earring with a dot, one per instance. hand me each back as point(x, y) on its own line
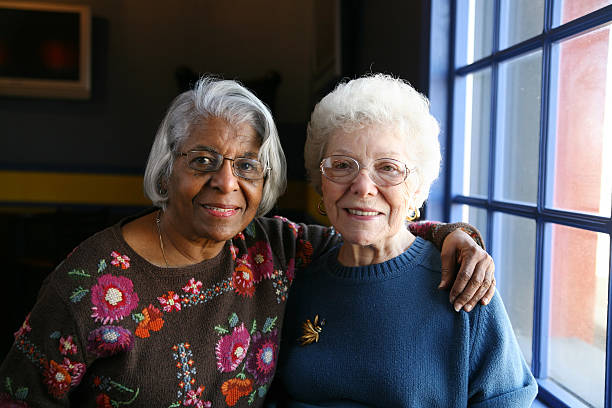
point(413, 214)
point(321, 207)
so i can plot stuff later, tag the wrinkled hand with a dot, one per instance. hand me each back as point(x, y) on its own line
point(475, 280)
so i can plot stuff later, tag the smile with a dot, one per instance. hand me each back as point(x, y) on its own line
point(362, 213)
point(219, 211)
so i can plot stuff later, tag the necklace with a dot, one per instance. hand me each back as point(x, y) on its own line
point(161, 241)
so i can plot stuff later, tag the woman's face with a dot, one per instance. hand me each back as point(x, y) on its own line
point(364, 213)
point(214, 205)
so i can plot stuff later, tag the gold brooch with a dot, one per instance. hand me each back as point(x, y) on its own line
point(311, 331)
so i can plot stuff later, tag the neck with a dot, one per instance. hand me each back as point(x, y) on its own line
point(361, 255)
point(179, 250)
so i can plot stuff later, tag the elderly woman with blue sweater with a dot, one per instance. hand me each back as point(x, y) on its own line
point(351, 337)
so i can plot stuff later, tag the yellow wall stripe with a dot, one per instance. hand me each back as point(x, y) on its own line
point(71, 188)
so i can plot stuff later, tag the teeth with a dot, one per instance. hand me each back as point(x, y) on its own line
point(219, 209)
point(357, 212)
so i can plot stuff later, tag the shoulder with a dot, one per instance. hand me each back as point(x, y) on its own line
point(428, 255)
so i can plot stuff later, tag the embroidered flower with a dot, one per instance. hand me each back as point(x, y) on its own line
point(193, 286)
point(192, 397)
point(152, 321)
point(234, 251)
point(291, 270)
point(304, 253)
point(260, 256)
point(232, 349)
point(113, 298)
point(76, 370)
point(103, 401)
point(108, 340)
point(25, 327)
point(120, 260)
point(67, 346)
point(262, 359)
point(236, 388)
point(57, 379)
point(242, 278)
point(6, 401)
point(170, 301)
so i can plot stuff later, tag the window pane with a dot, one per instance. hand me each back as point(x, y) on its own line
point(567, 10)
point(520, 20)
point(580, 136)
point(579, 270)
point(518, 129)
point(477, 129)
point(514, 255)
point(472, 215)
point(474, 30)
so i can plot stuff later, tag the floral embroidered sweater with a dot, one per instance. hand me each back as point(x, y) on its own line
point(353, 339)
point(110, 329)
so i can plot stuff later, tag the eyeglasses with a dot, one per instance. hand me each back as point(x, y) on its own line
point(243, 167)
point(383, 172)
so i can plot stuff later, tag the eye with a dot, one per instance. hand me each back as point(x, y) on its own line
point(248, 165)
point(389, 167)
point(203, 160)
point(341, 164)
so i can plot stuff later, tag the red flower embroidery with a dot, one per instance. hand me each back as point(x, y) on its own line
point(57, 379)
point(193, 286)
point(236, 388)
point(152, 321)
point(260, 256)
point(243, 281)
point(120, 260)
point(103, 401)
point(304, 253)
point(113, 298)
point(76, 370)
point(25, 327)
point(67, 346)
point(170, 301)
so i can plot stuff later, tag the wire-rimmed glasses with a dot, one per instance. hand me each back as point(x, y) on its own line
point(208, 161)
point(383, 172)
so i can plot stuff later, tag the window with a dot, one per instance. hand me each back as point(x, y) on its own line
point(528, 120)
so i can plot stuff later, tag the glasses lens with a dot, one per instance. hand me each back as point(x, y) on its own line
point(248, 168)
point(339, 168)
point(389, 172)
point(203, 160)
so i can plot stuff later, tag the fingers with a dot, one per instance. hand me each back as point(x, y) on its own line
point(489, 295)
point(489, 280)
point(449, 264)
point(473, 280)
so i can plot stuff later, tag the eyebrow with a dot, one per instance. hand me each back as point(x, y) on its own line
point(384, 155)
point(199, 148)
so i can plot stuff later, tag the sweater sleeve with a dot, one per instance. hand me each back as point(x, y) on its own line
point(499, 375)
point(47, 359)
point(436, 232)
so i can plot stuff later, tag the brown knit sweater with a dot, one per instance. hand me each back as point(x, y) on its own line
point(110, 329)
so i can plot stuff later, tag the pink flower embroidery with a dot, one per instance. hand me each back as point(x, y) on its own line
point(113, 298)
point(57, 379)
point(193, 397)
point(170, 301)
point(260, 256)
point(109, 340)
point(76, 370)
point(120, 260)
point(25, 327)
point(193, 286)
point(262, 360)
point(67, 346)
point(232, 349)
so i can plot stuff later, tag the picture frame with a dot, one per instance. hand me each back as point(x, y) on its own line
point(45, 50)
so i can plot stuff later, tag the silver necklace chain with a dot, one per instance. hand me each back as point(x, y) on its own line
point(161, 241)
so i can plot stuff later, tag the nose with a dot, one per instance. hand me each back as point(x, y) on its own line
point(224, 179)
point(362, 185)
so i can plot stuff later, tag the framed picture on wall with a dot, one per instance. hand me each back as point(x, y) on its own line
point(45, 50)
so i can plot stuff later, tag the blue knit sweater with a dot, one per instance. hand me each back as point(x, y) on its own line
point(391, 339)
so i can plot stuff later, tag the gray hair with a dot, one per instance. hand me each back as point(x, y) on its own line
point(224, 99)
point(376, 100)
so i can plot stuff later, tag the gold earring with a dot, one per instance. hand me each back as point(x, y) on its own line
point(321, 207)
point(413, 214)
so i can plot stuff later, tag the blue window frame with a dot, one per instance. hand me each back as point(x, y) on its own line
point(523, 91)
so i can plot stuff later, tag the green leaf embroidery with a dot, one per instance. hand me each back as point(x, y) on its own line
point(254, 326)
point(252, 397)
point(250, 230)
point(101, 265)
point(241, 376)
point(8, 383)
point(21, 393)
point(55, 335)
point(176, 404)
point(138, 317)
point(221, 330)
point(79, 272)
point(233, 320)
point(262, 391)
point(269, 325)
point(78, 294)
